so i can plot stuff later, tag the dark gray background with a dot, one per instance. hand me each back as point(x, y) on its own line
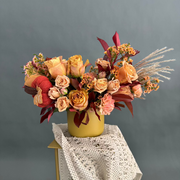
point(67, 28)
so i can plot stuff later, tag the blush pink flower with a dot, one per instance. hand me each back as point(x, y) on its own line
point(62, 81)
point(137, 90)
point(54, 93)
point(107, 104)
point(113, 86)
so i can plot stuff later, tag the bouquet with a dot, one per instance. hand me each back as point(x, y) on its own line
point(57, 84)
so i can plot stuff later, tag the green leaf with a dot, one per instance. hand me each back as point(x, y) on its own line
point(55, 110)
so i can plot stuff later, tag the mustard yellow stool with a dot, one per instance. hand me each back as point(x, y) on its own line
point(54, 145)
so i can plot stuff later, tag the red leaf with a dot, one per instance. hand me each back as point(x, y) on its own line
point(91, 96)
point(103, 43)
point(87, 118)
point(100, 68)
point(94, 107)
point(116, 39)
point(43, 110)
point(118, 104)
point(130, 107)
point(51, 113)
point(72, 109)
point(122, 97)
point(137, 52)
point(77, 120)
point(118, 108)
point(132, 84)
point(44, 117)
point(75, 83)
point(88, 65)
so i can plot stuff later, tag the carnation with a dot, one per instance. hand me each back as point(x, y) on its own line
point(107, 104)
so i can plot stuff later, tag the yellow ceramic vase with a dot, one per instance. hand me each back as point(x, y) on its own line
point(95, 127)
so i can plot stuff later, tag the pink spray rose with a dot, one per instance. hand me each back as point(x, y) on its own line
point(137, 90)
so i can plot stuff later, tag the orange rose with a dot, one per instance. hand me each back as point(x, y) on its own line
point(78, 99)
point(100, 85)
point(62, 103)
point(127, 73)
point(56, 67)
point(124, 90)
point(113, 86)
point(137, 90)
point(75, 66)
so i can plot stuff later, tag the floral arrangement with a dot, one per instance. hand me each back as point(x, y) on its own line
point(57, 84)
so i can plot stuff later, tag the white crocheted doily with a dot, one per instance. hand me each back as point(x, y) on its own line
point(106, 157)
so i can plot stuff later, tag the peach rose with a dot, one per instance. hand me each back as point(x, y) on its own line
point(127, 73)
point(124, 90)
point(102, 74)
point(56, 67)
point(113, 86)
point(107, 104)
point(75, 66)
point(137, 90)
point(62, 81)
point(62, 103)
point(100, 85)
point(105, 64)
point(78, 99)
point(54, 93)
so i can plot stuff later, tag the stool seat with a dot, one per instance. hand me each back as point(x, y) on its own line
point(54, 145)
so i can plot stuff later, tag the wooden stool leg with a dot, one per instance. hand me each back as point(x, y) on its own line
point(57, 164)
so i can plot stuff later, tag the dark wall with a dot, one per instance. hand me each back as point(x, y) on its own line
point(71, 27)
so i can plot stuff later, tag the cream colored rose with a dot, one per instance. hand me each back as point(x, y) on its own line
point(113, 86)
point(62, 103)
point(56, 66)
point(100, 85)
point(105, 64)
point(62, 81)
point(75, 66)
point(54, 93)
